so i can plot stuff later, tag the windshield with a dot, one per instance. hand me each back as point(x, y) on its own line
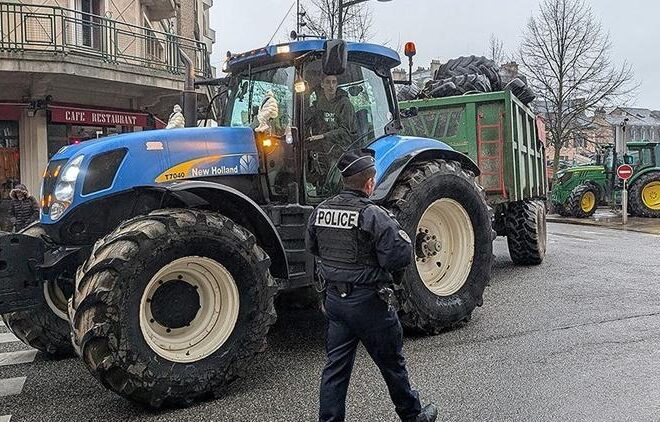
point(248, 93)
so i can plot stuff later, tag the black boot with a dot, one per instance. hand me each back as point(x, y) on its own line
point(428, 414)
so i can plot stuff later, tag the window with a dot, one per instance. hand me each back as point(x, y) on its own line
point(248, 94)
point(9, 157)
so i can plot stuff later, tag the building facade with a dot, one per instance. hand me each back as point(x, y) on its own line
point(73, 70)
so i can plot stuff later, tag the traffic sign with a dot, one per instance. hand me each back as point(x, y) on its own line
point(624, 171)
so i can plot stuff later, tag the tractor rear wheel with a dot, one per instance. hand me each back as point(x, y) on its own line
point(526, 232)
point(644, 196)
point(583, 201)
point(443, 210)
point(45, 328)
point(172, 307)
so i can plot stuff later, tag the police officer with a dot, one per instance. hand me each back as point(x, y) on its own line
point(360, 246)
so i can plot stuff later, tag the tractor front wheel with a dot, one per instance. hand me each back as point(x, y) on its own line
point(444, 212)
point(583, 201)
point(171, 307)
point(644, 196)
point(46, 328)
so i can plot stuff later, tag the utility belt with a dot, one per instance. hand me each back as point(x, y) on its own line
point(384, 290)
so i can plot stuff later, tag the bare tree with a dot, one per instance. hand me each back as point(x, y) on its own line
point(322, 19)
point(495, 49)
point(567, 57)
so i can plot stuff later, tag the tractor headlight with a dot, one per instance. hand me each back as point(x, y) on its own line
point(65, 187)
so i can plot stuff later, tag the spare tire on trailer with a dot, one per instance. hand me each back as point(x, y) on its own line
point(458, 85)
point(471, 65)
point(526, 232)
point(45, 328)
point(444, 211)
point(521, 90)
point(408, 92)
point(172, 306)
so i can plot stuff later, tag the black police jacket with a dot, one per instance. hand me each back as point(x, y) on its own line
point(357, 241)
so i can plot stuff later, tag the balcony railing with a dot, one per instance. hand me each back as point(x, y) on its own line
point(55, 29)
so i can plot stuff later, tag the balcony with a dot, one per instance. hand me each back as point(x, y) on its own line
point(159, 9)
point(67, 33)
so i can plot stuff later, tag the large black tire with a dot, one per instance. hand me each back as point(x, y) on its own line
point(526, 232)
point(521, 90)
point(422, 187)
point(471, 65)
point(645, 203)
point(576, 201)
point(408, 92)
point(45, 328)
point(110, 292)
point(457, 85)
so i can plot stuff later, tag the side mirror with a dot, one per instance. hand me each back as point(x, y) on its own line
point(628, 159)
point(335, 57)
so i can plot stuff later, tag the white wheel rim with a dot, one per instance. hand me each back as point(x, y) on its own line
point(212, 324)
point(56, 300)
point(444, 247)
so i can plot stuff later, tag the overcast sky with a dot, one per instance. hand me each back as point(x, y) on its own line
point(444, 29)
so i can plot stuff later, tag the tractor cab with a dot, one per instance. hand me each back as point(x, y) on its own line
point(324, 98)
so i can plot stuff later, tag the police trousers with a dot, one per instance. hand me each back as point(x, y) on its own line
point(363, 317)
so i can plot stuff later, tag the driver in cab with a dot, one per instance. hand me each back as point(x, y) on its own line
point(332, 117)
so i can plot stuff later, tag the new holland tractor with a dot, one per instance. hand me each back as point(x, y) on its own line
point(579, 190)
point(160, 253)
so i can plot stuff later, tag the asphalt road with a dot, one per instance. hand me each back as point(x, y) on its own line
point(575, 339)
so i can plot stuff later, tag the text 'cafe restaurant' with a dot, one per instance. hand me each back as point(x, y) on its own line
point(30, 136)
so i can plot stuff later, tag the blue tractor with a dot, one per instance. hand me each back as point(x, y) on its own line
point(160, 253)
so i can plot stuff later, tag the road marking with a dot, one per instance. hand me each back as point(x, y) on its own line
point(5, 418)
point(11, 386)
point(7, 338)
point(16, 358)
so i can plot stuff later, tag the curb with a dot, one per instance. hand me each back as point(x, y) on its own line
point(591, 223)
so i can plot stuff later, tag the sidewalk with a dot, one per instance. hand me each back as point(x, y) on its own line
point(604, 217)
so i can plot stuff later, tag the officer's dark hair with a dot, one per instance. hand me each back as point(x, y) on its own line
point(359, 180)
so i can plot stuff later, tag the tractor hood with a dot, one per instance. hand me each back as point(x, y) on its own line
point(151, 158)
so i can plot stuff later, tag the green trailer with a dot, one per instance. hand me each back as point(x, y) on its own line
point(506, 139)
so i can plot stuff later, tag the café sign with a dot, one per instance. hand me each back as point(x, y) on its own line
point(90, 117)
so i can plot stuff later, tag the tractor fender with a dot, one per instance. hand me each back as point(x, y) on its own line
point(647, 170)
point(395, 154)
point(239, 208)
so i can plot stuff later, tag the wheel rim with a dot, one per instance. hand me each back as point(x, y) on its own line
point(444, 247)
point(651, 196)
point(189, 309)
point(56, 299)
point(588, 201)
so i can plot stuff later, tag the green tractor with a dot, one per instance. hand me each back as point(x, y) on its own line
point(579, 190)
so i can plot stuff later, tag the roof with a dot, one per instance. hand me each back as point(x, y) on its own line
point(361, 52)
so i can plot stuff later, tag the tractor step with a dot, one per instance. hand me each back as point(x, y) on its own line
point(20, 256)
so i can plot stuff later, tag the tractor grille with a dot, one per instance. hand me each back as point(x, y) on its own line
point(48, 185)
point(102, 170)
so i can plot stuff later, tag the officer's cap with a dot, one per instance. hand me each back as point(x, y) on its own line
point(354, 162)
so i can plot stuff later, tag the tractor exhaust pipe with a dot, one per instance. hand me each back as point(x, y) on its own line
point(189, 95)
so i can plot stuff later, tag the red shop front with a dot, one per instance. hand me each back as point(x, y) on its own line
point(73, 124)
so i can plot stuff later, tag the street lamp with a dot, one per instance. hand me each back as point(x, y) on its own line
point(345, 5)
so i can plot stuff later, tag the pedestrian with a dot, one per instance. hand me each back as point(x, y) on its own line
point(362, 251)
point(24, 208)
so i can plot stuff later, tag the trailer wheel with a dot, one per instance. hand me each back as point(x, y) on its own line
point(45, 328)
point(172, 307)
point(444, 211)
point(644, 196)
point(526, 232)
point(583, 201)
